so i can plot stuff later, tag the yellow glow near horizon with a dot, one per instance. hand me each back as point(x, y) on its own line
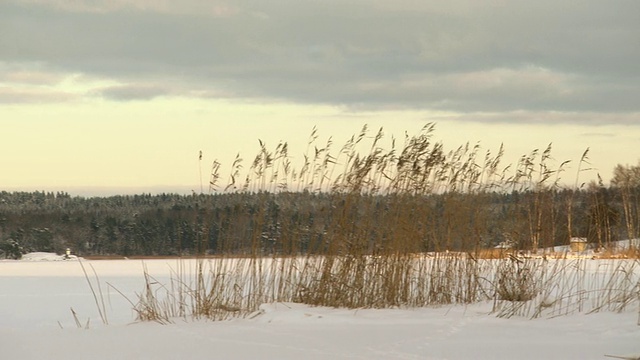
point(151, 145)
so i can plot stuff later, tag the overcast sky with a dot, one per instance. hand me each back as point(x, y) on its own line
point(176, 77)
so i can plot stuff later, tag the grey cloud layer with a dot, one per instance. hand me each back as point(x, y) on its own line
point(458, 55)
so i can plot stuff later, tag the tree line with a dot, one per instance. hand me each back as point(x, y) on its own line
point(317, 222)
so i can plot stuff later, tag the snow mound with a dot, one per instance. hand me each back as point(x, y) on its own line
point(45, 256)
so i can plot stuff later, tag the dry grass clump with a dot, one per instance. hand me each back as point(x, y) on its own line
point(516, 280)
point(213, 293)
point(229, 287)
point(392, 281)
point(567, 286)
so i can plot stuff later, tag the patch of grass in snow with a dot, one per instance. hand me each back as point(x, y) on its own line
point(577, 285)
point(235, 287)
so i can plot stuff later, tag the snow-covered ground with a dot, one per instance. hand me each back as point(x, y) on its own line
point(565, 250)
point(36, 322)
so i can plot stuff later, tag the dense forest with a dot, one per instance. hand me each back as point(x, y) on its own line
point(304, 222)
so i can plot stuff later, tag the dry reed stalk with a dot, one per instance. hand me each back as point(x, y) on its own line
point(102, 311)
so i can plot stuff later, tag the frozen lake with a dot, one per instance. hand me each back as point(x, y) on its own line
point(36, 323)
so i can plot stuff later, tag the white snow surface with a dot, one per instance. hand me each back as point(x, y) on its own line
point(45, 256)
point(36, 323)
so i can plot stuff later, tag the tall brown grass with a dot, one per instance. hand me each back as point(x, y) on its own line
point(223, 288)
point(406, 226)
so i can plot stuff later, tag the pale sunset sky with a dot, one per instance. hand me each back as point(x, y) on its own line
point(102, 97)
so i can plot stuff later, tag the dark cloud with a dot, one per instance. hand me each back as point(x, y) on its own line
point(466, 56)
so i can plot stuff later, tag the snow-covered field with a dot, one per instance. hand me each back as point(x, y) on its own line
point(36, 322)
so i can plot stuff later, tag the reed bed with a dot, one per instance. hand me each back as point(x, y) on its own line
point(408, 226)
point(220, 289)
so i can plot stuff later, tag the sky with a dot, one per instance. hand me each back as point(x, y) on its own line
point(101, 97)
